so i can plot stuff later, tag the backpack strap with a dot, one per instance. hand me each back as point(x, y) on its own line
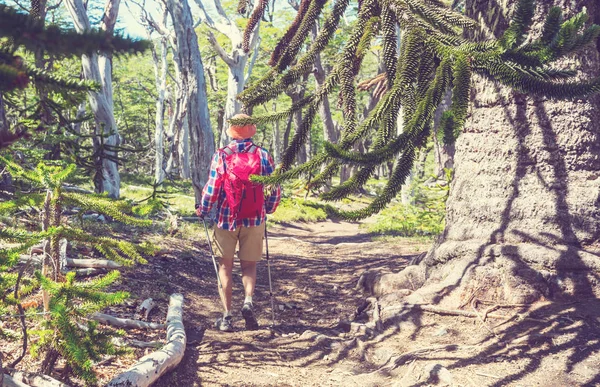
point(227, 151)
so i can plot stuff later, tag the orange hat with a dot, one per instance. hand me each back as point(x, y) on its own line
point(241, 132)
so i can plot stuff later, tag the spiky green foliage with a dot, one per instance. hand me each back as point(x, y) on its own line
point(21, 32)
point(71, 301)
point(434, 58)
point(30, 33)
point(77, 339)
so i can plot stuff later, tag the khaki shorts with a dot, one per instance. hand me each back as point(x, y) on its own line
point(250, 239)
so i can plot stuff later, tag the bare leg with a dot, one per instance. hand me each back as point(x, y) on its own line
point(225, 268)
point(248, 277)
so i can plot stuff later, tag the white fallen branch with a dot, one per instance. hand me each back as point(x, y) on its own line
point(146, 307)
point(87, 272)
point(72, 262)
point(35, 379)
point(151, 367)
point(124, 322)
point(8, 381)
point(95, 263)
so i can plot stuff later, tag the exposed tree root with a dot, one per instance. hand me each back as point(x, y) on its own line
point(396, 361)
point(457, 312)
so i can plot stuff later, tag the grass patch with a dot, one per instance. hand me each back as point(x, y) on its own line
point(408, 221)
point(297, 210)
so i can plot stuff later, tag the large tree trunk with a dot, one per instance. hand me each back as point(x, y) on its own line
point(193, 84)
point(523, 215)
point(99, 68)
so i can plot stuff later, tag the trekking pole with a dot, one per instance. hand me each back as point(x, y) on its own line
point(212, 254)
point(270, 282)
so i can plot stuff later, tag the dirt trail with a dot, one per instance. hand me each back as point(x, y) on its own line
point(315, 270)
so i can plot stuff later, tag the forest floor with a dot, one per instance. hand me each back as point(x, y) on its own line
point(315, 269)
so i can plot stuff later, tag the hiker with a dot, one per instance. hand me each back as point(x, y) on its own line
point(241, 209)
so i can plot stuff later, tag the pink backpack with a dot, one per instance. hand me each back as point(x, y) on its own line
point(245, 198)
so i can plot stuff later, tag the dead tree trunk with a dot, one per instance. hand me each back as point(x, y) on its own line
point(98, 68)
point(523, 206)
point(236, 59)
point(160, 77)
point(193, 85)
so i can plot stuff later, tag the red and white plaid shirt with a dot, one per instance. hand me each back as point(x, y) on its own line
point(213, 191)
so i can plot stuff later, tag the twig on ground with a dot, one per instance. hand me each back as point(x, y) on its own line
point(481, 319)
point(489, 310)
point(487, 375)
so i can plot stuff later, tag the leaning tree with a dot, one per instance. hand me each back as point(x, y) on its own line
point(523, 203)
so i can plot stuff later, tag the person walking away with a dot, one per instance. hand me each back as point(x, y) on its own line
point(241, 211)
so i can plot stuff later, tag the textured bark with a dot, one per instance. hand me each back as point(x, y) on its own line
point(150, 367)
point(523, 215)
point(99, 68)
point(236, 59)
point(193, 85)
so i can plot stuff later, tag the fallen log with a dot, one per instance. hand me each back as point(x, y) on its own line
point(151, 367)
point(9, 381)
point(94, 263)
point(124, 322)
point(90, 271)
point(73, 262)
point(35, 379)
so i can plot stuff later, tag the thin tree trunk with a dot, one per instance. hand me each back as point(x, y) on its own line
point(235, 85)
point(276, 148)
point(193, 84)
point(99, 68)
point(183, 150)
point(160, 75)
point(329, 132)
point(236, 60)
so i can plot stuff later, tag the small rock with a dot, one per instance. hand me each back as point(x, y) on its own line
point(308, 335)
point(437, 373)
point(441, 332)
point(281, 307)
point(321, 338)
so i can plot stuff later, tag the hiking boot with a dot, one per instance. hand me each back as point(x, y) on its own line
point(224, 324)
point(251, 323)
